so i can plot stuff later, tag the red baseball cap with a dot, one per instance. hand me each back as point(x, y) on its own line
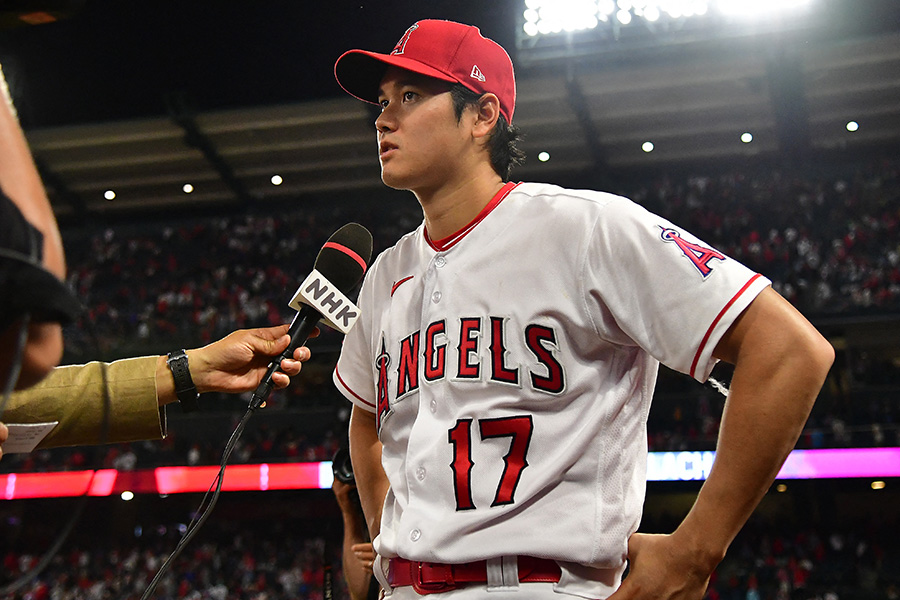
point(442, 49)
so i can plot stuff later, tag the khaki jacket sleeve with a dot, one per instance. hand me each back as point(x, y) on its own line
point(79, 396)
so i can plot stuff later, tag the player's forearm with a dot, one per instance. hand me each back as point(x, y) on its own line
point(780, 366)
point(365, 453)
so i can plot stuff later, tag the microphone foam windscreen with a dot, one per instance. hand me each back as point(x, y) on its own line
point(345, 256)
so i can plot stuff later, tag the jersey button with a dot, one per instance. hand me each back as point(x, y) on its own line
point(420, 473)
point(440, 261)
point(436, 297)
point(415, 534)
point(433, 406)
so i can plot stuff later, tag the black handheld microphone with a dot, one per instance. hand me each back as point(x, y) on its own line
point(342, 261)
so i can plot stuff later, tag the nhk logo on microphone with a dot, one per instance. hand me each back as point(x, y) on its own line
point(337, 310)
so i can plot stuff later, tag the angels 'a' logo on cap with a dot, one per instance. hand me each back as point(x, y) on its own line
point(401, 45)
point(477, 74)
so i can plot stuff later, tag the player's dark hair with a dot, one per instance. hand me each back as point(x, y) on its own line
point(503, 143)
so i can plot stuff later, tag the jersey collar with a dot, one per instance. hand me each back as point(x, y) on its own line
point(451, 240)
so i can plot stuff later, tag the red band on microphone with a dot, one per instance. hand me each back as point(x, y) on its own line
point(341, 248)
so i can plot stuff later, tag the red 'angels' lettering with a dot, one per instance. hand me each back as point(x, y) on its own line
point(469, 332)
point(434, 354)
point(475, 359)
point(696, 253)
point(407, 370)
point(499, 370)
point(382, 399)
point(555, 381)
point(518, 429)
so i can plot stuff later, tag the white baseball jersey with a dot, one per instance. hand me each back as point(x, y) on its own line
point(511, 368)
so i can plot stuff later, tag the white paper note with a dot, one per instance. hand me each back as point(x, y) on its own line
point(23, 437)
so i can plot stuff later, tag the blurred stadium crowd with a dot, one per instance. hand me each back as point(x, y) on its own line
point(830, 243)
point(289, 560)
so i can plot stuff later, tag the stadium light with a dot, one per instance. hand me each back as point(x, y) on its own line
point(548, 17)
point(759, 8)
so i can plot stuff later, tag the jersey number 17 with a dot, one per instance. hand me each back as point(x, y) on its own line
point(518, 429)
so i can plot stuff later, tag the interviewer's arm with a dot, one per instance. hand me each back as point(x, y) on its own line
point(234, 364)
point(98, 403)
point(95, 403)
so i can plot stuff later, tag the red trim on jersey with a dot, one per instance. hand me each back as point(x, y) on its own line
point(347, 387)
point(716, 321)
point(398, 283)
point(349, 252)
point(449, 241)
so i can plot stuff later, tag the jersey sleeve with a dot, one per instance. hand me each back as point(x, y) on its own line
point(353, 375)
point(664, 289)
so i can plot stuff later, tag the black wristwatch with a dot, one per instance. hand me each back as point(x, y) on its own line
point(185, 389)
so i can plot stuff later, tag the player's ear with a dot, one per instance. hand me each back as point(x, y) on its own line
point(488, 108)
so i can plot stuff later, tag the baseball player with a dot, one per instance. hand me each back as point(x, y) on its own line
point(502, 370)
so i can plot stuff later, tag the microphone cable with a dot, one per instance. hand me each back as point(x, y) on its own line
point(15, 366)
point(342, 261)
point(205, 509)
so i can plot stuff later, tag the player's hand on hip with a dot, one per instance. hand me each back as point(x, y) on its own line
point(365, 553)
point(660, 568)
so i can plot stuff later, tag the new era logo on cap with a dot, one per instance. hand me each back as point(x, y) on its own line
point(441, 49)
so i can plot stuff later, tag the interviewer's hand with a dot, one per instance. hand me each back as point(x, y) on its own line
point(236, 363)
point(661, 567)
point(4, 433)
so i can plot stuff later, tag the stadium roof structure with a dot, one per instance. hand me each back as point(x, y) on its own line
point(779, 95)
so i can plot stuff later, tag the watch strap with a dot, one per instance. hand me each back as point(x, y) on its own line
point(185, 389)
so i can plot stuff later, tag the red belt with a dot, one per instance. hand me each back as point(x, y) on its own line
point(430, 578)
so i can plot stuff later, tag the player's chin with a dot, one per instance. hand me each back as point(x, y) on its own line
point(393, 179)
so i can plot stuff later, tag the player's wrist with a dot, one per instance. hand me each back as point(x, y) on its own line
point(700, 551)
